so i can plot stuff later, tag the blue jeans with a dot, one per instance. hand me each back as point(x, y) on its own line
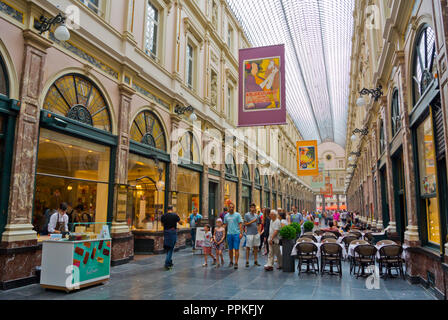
point(193, 238)
point(169, 256)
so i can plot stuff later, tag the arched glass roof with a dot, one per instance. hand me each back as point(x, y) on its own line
point(318, 39)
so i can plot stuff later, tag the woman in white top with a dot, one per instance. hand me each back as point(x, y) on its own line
point(59, 220)
point(283, 221)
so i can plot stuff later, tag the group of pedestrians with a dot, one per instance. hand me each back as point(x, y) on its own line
point(258, 230)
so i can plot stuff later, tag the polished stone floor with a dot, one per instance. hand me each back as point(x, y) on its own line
point(145, 278)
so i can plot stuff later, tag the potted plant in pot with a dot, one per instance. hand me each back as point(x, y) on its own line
point(298, 228)
point(288, 235)
point(308, 226)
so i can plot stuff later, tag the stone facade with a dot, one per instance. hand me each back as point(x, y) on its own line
point(388, 50)
point(109, 49)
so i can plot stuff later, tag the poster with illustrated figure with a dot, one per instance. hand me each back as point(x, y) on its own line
point(262, 86)
point(307, 161)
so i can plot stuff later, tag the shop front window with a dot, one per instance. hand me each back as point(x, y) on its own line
point(3, 79)
point(230, 193)
point(246, 199)
point(188, 183)
point(257, 199)
point(147, 192)
point(428, 181)
point(148, 130)
point(74, 171)
point(2, 145)
point(267, 199)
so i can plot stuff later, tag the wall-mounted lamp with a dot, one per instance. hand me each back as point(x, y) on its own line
point(179, 110)
point(375, 93)
point(363, 132)
point(44, 24)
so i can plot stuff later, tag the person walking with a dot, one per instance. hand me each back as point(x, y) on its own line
point(169, 221)
point(208, 245)
point(266, 225)
point(296, 216)
point(234, 225)
point(253, 232)
point(218, 241)
point(195, 220)
point(274, 242)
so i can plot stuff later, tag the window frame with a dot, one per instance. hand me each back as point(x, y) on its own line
point(395, 114)
point(157, 25)
point(190, 68)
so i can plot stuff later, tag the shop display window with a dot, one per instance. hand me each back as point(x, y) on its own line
point(146, 193)
point(188, 197)
point(257, 199)
point(246, 199)
point(74, 171)
point(230, 193)
point(428, 181)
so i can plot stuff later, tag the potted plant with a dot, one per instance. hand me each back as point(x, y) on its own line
point(308, 226)
point(288, 235)
point(297, 227)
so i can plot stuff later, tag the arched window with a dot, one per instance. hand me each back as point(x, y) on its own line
point(76, 97)
point(246, 172)
point(395, 113)
point(273, 184)
point(189, 149)
point(424, 62)
point(4, 85)
point(230, 165)
point(257, 177)
point(147, 129)
point(266, 182)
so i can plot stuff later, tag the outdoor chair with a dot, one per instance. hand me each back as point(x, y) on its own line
point(304, 239)
point(336, 233)
point(368, 236)
point(347, 240)
point(329, 240)
point(357, 233)
point(328, 235)
point(318, 232)
point(331, 254)
point(309, 236)
point(390, 258)
point(307, 253)
point(385, 242)
point(364, 257)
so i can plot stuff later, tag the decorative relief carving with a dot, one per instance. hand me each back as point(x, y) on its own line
point(214, 88)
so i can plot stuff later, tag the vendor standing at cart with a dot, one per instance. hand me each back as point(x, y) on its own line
point(59, 220)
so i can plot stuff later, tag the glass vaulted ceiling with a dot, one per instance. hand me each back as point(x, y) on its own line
point(318, 38)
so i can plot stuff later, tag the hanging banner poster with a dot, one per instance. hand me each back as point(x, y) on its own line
point(318, 181)
point(307, 161)
point(262, 90)
point(328, 191)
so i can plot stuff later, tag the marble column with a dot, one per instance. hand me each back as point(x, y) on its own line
point(411, 234)
point(122, 238)
point(389, 174)
point(19, 241)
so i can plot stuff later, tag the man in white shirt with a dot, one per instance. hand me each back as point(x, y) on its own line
point(274, 239)
point(59, 220)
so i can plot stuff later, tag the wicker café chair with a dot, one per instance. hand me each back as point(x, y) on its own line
point(307, 253)
point(368, 236)
point(329, 240)
point(357, 233)
point(309, 236)
point(347, 240)
point(386, 242)
point(390, 257)
point(328, 235)
point(357, 242)
point(331, 254)
point(304, 240)
point(364, 257)
point(336, 233)
point(318, 232)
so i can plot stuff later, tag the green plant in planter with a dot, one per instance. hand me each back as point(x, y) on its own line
point(296, 226)
point(288, 232)
point(308, 226)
